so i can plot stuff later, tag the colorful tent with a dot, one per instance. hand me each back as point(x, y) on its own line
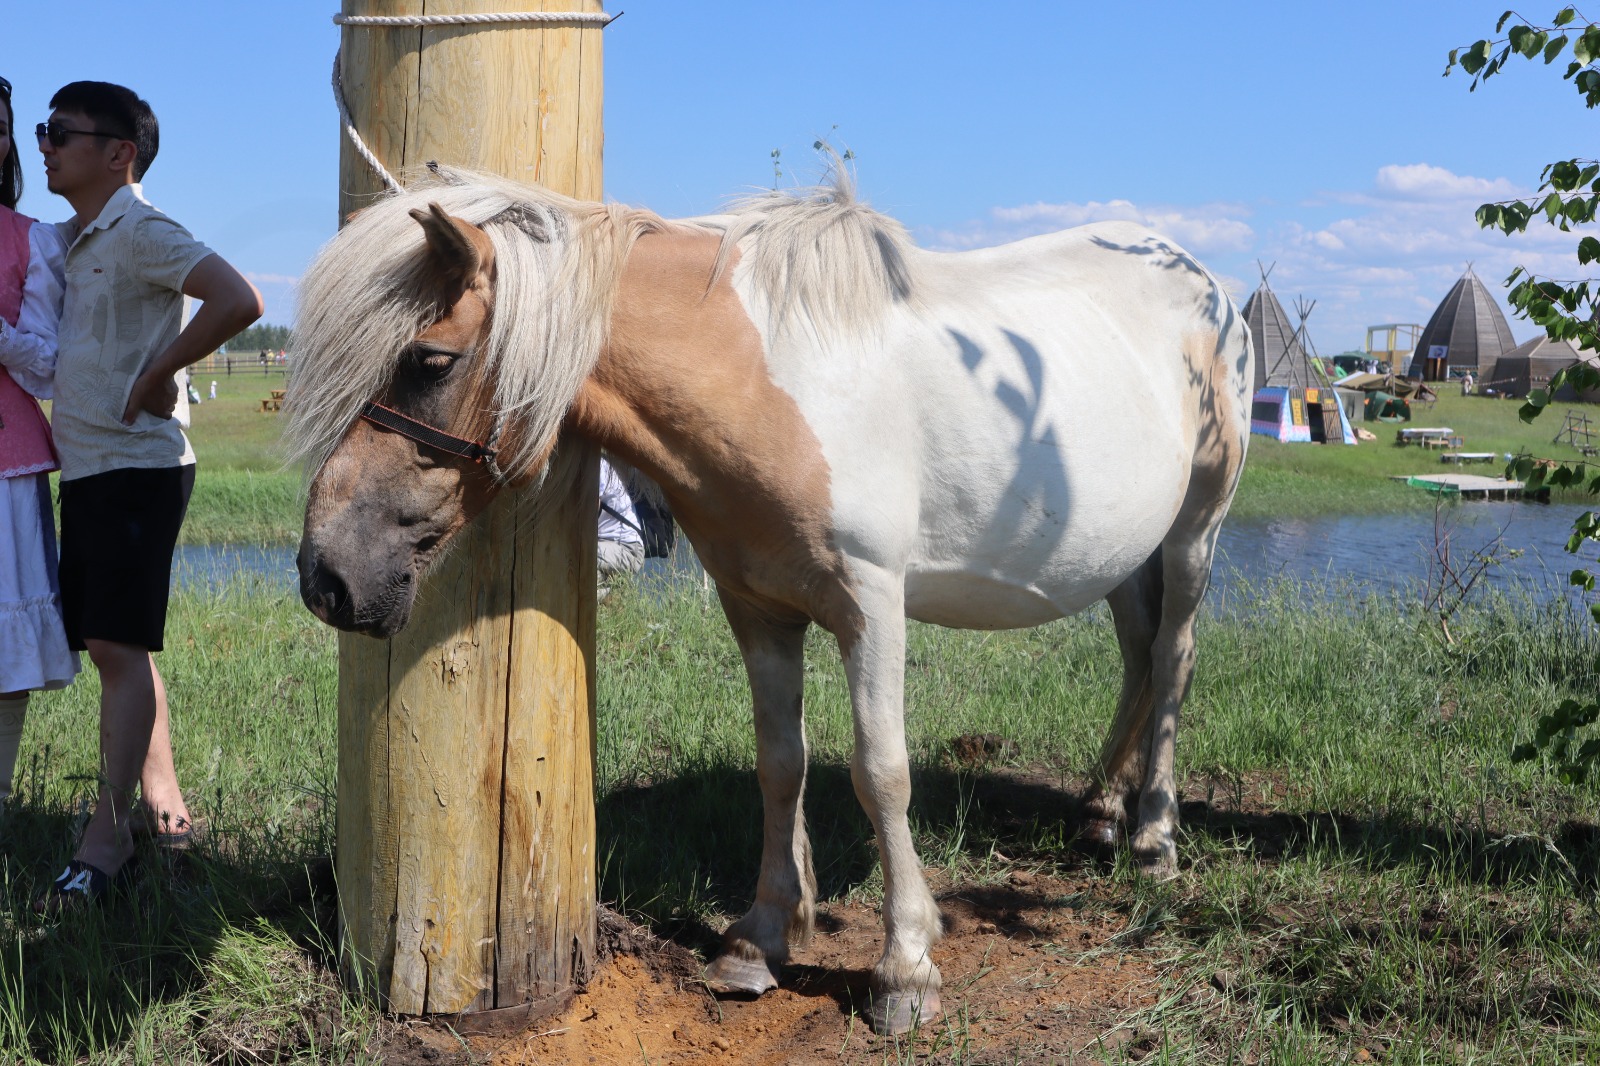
point(1298, 414)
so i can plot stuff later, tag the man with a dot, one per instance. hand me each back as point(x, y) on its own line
point(126, 466)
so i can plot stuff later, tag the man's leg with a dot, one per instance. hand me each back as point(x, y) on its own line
point(158, 784)
point(127, 717)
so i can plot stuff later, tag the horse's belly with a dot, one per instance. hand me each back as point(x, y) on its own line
point(964, 600)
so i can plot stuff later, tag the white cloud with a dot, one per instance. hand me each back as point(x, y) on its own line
point(1421, 181)
point(1204, 229)
point(1386, 253)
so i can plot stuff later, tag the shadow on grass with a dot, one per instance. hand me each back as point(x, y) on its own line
point(683, 851)
point(98, 977)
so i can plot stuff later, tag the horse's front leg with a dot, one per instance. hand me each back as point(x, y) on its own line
point(905, 982)
point(756, 946)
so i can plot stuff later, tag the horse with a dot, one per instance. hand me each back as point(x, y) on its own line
point(850, 430)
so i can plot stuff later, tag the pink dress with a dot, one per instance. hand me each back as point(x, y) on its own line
point(33, 644)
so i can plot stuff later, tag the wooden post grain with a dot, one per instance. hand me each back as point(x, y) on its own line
point(466, 857)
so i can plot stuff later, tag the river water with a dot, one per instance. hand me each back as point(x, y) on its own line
point(1380, 553)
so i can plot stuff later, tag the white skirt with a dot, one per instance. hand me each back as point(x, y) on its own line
point(33, 643)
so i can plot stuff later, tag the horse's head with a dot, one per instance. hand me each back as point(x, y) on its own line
point(411, 346)
point(397, 488)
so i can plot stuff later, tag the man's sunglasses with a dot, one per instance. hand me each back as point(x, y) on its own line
point(5, 88)
point(57, 134)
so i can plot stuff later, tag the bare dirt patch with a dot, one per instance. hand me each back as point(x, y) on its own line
point(1024, 982)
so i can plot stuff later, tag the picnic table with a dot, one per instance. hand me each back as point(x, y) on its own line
point(1467, 457)
point(273, 402)
point(1427, 436)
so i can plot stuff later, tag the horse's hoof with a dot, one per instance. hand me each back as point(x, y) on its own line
point(1100, 834)
point(1158, 864)
point(733, 973)
point(894, 1013)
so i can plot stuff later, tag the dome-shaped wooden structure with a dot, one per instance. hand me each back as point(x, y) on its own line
point(1468, 331)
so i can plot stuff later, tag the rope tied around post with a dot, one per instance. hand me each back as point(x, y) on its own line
point(593, 18)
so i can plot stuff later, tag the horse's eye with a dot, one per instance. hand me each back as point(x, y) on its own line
point(434, 363)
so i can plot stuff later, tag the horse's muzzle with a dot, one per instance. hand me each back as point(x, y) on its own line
point(329, 596)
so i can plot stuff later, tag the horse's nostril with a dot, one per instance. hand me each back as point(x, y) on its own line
point(324, 592)
point(404, 578)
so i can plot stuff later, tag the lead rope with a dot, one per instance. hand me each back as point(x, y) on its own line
point(590, 18)
point(593, 18)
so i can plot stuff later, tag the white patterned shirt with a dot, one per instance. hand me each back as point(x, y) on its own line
point(123, 307)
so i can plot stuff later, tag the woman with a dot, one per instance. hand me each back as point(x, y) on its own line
point(33, 643)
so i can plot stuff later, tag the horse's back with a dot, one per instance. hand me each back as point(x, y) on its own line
point(1029, 433)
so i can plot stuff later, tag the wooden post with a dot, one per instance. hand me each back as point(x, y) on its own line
point(466, 860)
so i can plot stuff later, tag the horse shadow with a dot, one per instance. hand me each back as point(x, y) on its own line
point(685, 852)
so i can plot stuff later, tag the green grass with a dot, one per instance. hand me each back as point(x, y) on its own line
point(1303, 480)
point(1362, 860)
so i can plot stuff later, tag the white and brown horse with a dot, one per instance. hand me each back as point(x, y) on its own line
point(850, 430)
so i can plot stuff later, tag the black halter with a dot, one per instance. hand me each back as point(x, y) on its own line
point(474, 451)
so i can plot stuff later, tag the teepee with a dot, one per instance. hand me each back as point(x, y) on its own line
point(1281, 357)
point(1294, 404)
point(1468, 331)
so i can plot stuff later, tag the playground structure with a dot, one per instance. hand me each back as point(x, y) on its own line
point(465, 857)
point(1393, 342)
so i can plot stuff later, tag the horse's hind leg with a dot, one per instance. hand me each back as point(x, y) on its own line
point(1186, 571)
point(757, 945)
point(1111, 801)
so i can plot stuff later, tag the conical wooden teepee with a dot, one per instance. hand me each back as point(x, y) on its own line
point(1282, 358)
point(1468, 331)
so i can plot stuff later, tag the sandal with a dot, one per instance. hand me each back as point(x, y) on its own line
point(79, 885)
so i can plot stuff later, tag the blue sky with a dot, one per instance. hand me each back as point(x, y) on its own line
point(1316, 135)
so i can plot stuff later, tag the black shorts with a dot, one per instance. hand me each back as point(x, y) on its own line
point(118, 530)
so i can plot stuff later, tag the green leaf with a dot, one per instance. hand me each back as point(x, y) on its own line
point(1554, 48)
point(1477, 56)
point(1518, 36)
point(1524, 753)
point(1565, 15)
point(1504, 18)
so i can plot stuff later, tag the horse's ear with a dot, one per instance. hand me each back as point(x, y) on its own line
point(460, 250)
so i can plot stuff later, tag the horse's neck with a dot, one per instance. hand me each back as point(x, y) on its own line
point(661, 381)
point(682, 392)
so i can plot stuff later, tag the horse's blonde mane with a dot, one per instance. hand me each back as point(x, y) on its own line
point(820, 257)
point(362, 301)
point(817, 257)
